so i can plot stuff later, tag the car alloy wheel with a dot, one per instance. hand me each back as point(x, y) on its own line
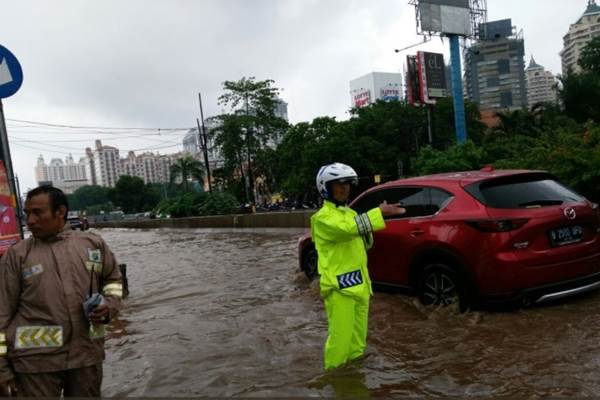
point(439, 286)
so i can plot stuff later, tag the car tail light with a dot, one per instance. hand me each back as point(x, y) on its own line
point(497, 225)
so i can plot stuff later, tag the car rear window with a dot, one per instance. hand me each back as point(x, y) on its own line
point(523, 191)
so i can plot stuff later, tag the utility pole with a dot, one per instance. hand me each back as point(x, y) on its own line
point(204, 144)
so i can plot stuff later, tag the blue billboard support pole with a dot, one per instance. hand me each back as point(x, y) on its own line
point(457, 91)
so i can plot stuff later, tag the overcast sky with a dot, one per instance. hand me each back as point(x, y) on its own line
point(141, 63)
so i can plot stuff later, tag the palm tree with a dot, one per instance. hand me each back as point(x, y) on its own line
point(185, 168)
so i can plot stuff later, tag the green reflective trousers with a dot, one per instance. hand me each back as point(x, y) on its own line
point(347, 318)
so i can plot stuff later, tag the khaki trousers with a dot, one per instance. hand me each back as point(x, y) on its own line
point(80, 382)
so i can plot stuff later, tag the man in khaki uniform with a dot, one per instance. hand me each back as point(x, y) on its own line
point(47, 345)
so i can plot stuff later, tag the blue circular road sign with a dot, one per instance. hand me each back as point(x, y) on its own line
point(11, 74)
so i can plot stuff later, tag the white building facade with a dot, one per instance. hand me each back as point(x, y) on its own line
point(541, 85)
point(580, 34)
point(367, 89)
point(66, 175)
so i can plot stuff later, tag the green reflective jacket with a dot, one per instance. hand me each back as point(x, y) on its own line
point(342, 238)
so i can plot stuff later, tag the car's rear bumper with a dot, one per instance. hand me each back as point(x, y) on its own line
point(547, 293)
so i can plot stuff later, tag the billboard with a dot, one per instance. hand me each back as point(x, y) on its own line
point(362, 99)
point(9, 228)
point(435, 75)
point(413, 89)
point(390, 94)
point(445, 16)
point(425, 78)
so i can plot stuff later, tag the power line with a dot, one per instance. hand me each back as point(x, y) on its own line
point(91, 127)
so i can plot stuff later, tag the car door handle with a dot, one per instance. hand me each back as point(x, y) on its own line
point(416, 232)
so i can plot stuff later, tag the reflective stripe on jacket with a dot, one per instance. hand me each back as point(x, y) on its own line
point(342, 238)
point(43, 284)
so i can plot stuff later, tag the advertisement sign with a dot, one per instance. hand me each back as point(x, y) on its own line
point(412, 81)
point(435, 71)
point(9, 228)
point(432, 76)
point(362, 99)
point(390, 94)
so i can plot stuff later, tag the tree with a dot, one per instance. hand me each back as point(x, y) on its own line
point(187, 168)
point(132, 195)
point(579, 92)
point(87, 196)
point(249, 128)
point(590, 56)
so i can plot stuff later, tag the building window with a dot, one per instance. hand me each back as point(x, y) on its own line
point(506, 99)
point(493, 81)
point(504, 66)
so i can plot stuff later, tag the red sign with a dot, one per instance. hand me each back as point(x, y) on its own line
point(9, 228)
point(362, 99)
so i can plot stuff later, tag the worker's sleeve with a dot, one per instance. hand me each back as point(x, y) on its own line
point(10, 288)
point(112, 291)
point(342, 228)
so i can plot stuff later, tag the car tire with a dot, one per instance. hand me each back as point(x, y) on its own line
point(440, 285)
point(309, 263)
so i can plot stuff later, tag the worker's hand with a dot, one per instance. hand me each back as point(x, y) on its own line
point(100, 315)
point(391, 209)
point(8, 389)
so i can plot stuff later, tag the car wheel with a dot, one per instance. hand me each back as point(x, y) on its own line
point(440, 286)
point(309, 264)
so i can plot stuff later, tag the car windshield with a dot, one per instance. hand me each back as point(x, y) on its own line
point(523, 192)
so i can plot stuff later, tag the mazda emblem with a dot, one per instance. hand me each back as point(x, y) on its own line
point(570, 213)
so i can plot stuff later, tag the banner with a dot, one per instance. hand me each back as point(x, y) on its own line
point(9, 228)
point(362, 99)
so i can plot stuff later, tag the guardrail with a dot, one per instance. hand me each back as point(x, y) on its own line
point(287, 219)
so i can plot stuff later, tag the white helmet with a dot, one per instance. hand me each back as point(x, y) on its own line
point(334, 172)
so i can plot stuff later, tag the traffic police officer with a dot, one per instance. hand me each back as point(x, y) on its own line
point(342, 238)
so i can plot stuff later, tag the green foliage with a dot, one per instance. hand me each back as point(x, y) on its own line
point(195, 204)
point(244, 133)
point(465, 157)
point(100, 208)
point(590, 56)
point(579, 92)
point(88, 196)
point(132, 195)
point(218, 203)
point(185, 168)
point(579, 95)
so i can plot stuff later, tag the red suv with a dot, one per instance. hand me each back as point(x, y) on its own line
point(482, 235)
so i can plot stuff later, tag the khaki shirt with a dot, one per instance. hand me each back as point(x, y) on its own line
point(43, 284)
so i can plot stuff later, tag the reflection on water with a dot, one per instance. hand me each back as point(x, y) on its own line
point(225, 313)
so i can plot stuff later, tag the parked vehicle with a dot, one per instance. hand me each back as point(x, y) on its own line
point(77, 221)
point(482, 236)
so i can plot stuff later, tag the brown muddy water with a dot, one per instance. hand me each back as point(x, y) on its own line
point(223, 313)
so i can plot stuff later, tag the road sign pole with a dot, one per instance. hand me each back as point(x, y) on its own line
point(457, 91)
point(5, 154)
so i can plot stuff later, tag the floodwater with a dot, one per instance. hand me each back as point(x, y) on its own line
point(221, 313)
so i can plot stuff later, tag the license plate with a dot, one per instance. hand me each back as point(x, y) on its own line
point(566, 235)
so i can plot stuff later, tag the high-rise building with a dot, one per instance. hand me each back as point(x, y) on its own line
point(67, 175)
point(541, 84)
point(367, 89)
point(90, 168)
point(580, 34)
point(281, 109)
point(107, 165)
point(495, 68)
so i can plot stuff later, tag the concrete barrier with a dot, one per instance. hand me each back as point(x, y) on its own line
point(291, 219)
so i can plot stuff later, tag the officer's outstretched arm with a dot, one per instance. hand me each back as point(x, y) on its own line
point(342, 228)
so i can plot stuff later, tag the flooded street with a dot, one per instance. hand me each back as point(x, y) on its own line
point(222, 313)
